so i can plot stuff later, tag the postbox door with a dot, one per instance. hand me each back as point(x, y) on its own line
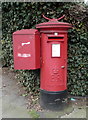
point(54, 63)
point(58, 53)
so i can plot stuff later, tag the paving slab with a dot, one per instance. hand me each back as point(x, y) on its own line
point(13, 105)
point(77, 113)
point(14, 111)
point(0, 93)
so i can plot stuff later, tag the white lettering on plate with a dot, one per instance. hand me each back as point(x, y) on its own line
point(25, 43)
point(24, 55)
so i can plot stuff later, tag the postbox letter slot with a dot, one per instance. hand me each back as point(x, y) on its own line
point(55, 38)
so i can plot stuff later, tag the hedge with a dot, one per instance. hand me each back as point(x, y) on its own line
point(17, 15)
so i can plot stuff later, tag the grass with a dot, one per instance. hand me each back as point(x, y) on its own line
point(34, 114)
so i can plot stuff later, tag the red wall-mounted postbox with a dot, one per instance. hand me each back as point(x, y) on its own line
point(26, 47)
point(46, 48)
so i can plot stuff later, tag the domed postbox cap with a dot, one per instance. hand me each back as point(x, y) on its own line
point(53, 23)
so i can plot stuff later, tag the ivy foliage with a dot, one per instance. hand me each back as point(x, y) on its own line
point(17, 15)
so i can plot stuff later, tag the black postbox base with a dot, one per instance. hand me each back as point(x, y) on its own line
point(53, 100)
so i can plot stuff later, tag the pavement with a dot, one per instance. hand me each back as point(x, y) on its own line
point(0, 94)
point(14, 105)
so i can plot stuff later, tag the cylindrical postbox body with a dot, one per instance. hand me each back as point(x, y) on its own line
point(53, 76)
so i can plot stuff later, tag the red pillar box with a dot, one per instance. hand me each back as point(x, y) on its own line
point(26, 49)
point(53, 78)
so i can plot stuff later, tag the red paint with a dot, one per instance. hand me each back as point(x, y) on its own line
point(53, 69)
point(26, 48)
